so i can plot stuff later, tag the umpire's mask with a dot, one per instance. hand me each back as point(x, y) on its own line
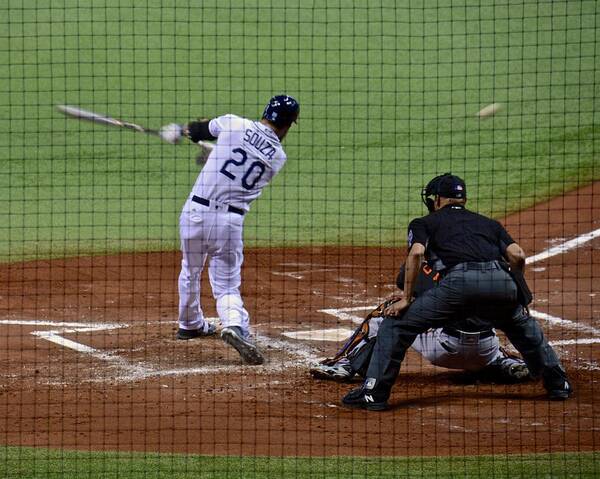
point(431, 190)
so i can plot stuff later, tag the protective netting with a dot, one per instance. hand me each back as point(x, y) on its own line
point(108, 367)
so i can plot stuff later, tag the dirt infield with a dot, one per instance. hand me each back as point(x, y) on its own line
point(89, 359)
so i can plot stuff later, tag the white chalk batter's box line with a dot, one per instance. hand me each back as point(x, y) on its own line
point(303, 354)
point(130, 371)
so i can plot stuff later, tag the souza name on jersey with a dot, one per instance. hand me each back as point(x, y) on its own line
point(259, 142)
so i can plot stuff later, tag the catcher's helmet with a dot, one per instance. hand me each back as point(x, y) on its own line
point(446, 185)
point(282, 110)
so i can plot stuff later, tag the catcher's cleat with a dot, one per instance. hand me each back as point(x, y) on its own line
point(250, 354)
point(362, 398)
point(208, 329)
point(340, 371)
point(518, 371)
point(509, 369)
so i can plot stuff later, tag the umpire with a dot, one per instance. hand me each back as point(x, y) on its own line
point(477, 282)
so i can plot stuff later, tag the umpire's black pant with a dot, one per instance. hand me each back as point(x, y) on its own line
point(469, 289)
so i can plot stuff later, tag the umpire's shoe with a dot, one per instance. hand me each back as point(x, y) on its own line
point(560, 393)
point(362, 398)
point(557, 384)
point(234, 336)
point(207, 329)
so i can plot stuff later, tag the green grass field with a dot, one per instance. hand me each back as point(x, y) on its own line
point(389, 94)
point(42, 463)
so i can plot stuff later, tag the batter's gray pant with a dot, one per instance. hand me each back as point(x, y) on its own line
point(481, 289)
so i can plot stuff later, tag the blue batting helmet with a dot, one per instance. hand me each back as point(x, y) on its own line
point(282, 110)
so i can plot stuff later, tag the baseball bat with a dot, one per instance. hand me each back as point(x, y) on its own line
point(81, 114)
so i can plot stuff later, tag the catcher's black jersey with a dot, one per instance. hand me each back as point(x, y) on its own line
point(458, 235)
point(426, 279)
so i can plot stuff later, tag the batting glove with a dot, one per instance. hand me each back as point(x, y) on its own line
point(171, 133)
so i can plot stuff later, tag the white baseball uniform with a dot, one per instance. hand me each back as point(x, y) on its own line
point(246, 157)
point(453, 350)
point(466, 351)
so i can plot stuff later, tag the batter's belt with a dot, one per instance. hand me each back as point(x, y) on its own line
point(205, 202)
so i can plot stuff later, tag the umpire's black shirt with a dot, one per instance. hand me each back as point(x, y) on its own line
point(458, 235)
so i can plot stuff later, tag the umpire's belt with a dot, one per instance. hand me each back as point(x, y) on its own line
point(205, 202)
point(475, 266)
point(466, 336)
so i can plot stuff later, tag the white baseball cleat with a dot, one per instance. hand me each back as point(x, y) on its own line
point(250, 354)
point(339, 371)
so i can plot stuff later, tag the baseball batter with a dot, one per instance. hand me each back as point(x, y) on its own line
point(246, 157)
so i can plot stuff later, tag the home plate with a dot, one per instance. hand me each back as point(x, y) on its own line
point(337, 334)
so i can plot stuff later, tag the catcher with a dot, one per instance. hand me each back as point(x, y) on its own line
point(474, 347)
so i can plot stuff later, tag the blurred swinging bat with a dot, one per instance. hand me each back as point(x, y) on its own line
point(81, 114)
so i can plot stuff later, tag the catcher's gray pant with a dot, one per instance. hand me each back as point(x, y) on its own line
point(213, 234)
point(469, 352)
point(482, 290)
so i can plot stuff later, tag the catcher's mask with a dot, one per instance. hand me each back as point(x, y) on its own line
point(446, 185)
